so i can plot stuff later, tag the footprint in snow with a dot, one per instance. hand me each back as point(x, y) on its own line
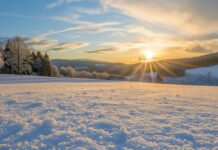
point(10, 102)
point(33, 105)
point(84, 93)
point(96, 97)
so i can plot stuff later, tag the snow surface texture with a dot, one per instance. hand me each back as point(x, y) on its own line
point(105, 115)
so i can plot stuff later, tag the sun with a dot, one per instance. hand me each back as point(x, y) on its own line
point(148, 55)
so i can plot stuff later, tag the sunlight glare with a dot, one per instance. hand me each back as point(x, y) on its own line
point(148, 55)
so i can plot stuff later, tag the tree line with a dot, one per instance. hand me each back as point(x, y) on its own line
point(17, 58)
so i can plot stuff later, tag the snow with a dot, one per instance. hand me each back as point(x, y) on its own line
point(213, 70)
point(6, 79)
point(57, 113)
point(197, 76)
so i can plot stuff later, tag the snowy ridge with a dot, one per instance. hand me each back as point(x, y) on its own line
point(106, 115)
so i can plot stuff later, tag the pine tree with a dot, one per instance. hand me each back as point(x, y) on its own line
point(38, 65)
point(33, 55)
point(41, 65)
point(46, 69)
point(46, 56)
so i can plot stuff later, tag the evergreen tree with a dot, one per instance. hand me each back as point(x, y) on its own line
point(41, 65)
point(46, 69)
point(38, 65)
point(33, 55)
point(46, 56)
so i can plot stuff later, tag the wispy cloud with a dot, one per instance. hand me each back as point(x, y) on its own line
point(103, 51)
point(89, 11)
point(85, 26)
point(190, 16)
point(41, 43)
point(13, 15)
point(57, 3)
point(53, 45)
point(198, 49)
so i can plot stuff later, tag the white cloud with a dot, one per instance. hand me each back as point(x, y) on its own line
point(86, 26)
point(195, 16)
point(40, 43)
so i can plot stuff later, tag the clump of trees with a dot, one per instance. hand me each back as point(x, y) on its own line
point(71, 72)
point(16, 58)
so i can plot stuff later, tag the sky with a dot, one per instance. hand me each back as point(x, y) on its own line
point(113, 30)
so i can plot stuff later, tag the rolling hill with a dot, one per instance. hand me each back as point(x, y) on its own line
point(170, 67)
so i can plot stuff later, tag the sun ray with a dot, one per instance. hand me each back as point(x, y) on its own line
point(166, 69)
point(137, 69)
point(151, 72)
point(143, 77)
point(182, 64)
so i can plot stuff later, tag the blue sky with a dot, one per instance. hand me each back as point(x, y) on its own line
point(113, 30)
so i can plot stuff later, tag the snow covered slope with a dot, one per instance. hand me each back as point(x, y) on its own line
point(68, 113)
point(204, 71)
point(197, 76)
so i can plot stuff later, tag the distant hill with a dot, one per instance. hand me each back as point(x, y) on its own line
point(77, 62)
point(89, 65)
point(169, 67)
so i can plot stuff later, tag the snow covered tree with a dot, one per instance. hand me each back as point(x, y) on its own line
point(55, 72)
point(17, 57)
point(71, 72)
point(1, 58)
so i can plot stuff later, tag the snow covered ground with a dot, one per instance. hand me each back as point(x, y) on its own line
point(204, 71)
point(93, 114)
point(197, 76)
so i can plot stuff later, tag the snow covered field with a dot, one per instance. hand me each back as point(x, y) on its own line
point(92, 114)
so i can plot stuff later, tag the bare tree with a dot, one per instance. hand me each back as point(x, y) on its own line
point(17, 57)
point(55, 72)
point(1, 58)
